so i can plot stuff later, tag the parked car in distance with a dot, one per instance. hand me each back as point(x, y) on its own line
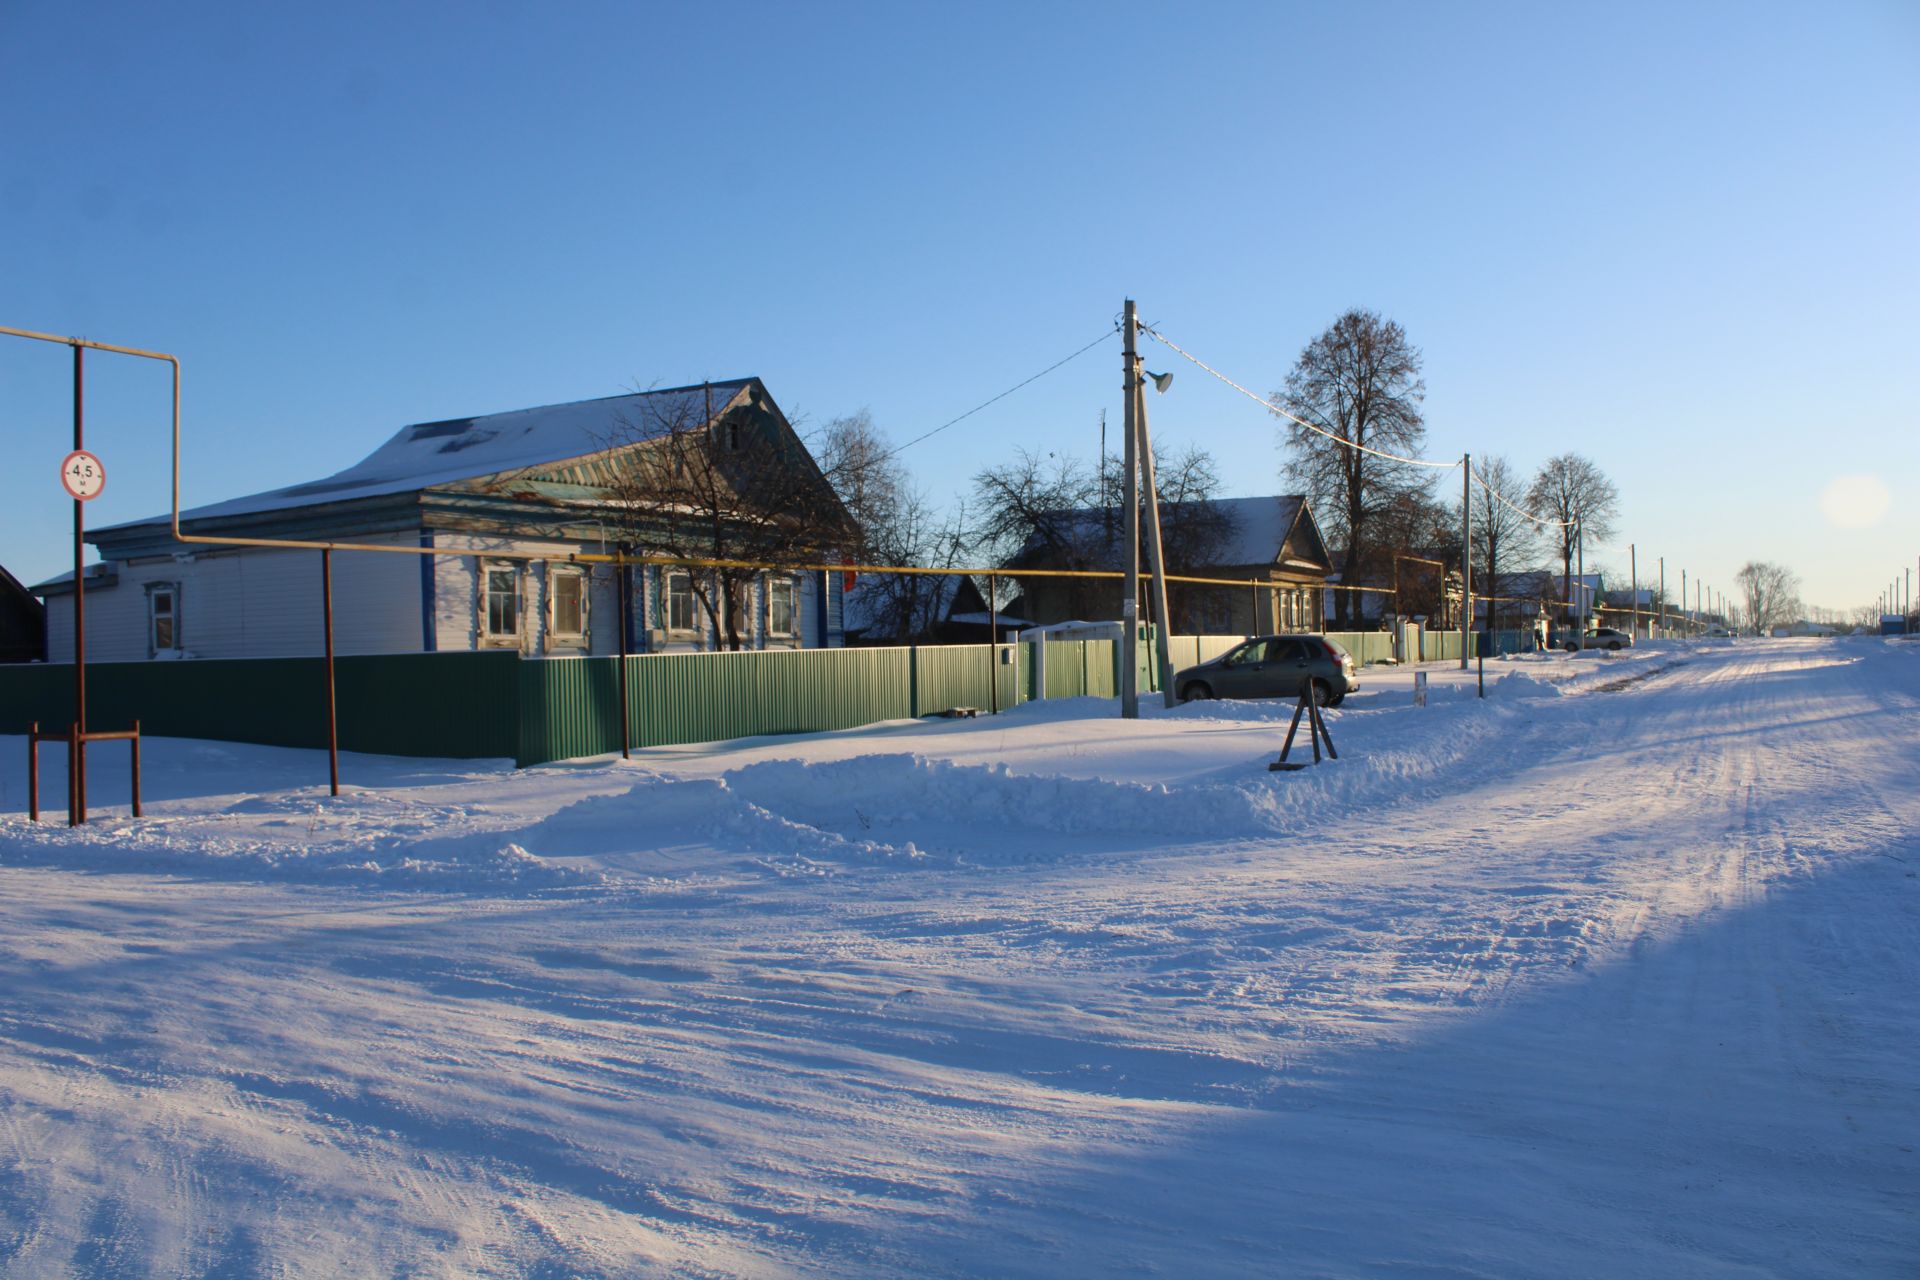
point(1599, 638)
point(1273, 667)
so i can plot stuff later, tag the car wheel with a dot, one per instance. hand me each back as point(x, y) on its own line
point(1615, 646)
point(1322, 694)
point(1573, 648)
point(1196, 693)
point(1336, 699)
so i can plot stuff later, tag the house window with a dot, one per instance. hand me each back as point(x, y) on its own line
point(163, 617)
point(780, 606)
point(567, 603)
point(679, 600)
point(502, 602)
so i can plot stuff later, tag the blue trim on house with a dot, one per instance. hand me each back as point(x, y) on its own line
point(429, 642)
point(626, 614)
point(820, 608)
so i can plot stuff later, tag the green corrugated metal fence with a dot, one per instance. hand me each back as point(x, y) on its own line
point(461, 705)
point(1367, 647)
point(569, 707)
point(536, 710)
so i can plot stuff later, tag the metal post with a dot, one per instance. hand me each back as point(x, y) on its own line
point(1130, 525)
point(1633, 570)
point(993, 643)
point(1466, 554)
point(1663, 593)
point(134, 742)
point(333, 721)
point(1162, 617)
point(1684, 617)
point(33, 771)
point(77, 749)
point(1586, 596)
point(623, 596)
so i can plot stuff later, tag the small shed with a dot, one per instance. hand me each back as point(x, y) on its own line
point(23, 622)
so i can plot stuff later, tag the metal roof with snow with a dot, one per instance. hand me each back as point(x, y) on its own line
point(1255, 530)
point(435, 453)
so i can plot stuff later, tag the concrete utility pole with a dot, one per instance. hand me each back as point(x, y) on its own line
point(1162, 623)
point(1130, 523)
point(1633, 570)
point(1586, 596)
point(1663, 593)
point(1466, 554)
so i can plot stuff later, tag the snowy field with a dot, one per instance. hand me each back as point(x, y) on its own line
point(1614, 973)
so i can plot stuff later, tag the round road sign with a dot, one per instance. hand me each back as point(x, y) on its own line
point(82, 476)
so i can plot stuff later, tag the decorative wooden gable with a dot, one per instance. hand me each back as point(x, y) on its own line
point(1303, 550)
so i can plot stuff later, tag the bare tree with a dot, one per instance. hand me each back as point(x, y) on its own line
point(1194, 530)
point(1408, 532)
point(858, 461)
point(898, 525)
point(1036, 502)
point(1575, 492)
point(1769, 595)
point(715, 473)
point(1359, 382)
point(1503, 534)
point(1054, 512)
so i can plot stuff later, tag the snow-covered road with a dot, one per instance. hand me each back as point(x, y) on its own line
point(1609, 974)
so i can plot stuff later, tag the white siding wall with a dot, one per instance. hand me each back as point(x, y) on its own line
point(263, 602)
point(116, 622)
point(252, 603)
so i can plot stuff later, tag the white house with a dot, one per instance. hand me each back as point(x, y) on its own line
point(511, 495)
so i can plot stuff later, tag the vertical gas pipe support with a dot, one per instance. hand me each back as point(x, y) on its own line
point(326, 623)
point(1466, 554)
point(623, 595)
point(993, 642)
point(77, 745)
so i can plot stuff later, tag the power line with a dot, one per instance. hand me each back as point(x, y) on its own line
point(1273, 408)
point(1002, 396)
point(1502, 498)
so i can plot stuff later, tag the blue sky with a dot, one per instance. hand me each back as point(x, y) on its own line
point(1684, 240)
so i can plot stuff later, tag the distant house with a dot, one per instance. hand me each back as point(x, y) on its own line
point(923, 609)
point(515, 494)
point(1524, 595)
point(23, 622)
point(1272, 545)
